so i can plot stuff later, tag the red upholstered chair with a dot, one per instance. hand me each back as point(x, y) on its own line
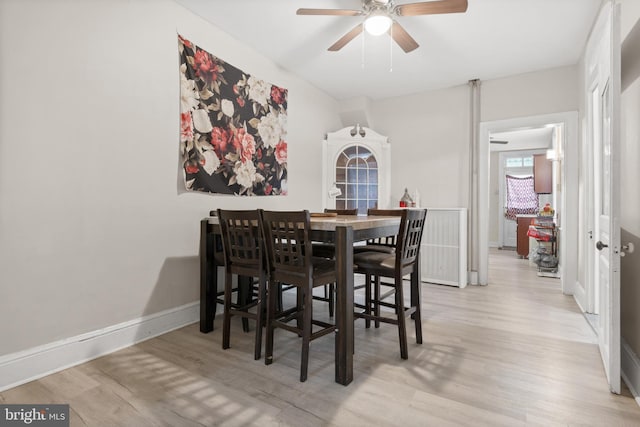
point(376, 265)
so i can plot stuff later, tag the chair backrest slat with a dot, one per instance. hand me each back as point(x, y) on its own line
point(287, 240)
point(241, 239)
point(387, 240)
point(342, 211)
point(410, 236)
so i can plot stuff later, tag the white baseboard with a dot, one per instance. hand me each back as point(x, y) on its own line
point(473, 278)
point(28, 365)
point(579, 295)
point(630, 369)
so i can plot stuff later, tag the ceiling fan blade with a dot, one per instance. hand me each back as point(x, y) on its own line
point(338, 12)
point(404, 40)
point(346, 38)
point(431, 7)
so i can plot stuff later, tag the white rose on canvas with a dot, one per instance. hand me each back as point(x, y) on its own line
point(245, 174)
point(212, 162)
point(259, 90)
point(270, 130)
point(227, 108)
point(188, 92)
point(201, 121)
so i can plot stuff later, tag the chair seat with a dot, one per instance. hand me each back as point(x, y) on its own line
point(374, 260)
point(328, 250)
point(323, 272)
point(374, 248)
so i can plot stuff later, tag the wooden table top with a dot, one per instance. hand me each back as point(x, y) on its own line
point(355, 221)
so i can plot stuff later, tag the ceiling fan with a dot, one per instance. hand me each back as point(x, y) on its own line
point(380, 18)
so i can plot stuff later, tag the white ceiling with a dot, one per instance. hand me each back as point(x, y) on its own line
point(494, 38)
point(523, 139)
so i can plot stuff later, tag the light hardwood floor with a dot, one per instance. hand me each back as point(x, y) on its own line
point(516, 352)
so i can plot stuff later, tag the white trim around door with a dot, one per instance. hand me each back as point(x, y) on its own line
point(567, 227)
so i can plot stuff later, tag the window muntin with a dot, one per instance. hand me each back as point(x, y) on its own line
point(356, 175)
point(518, 162)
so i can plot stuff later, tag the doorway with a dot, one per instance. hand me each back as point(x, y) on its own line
point(511, 155)
point(565, 151)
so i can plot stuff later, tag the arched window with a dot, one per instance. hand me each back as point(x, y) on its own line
point(357, 178)
point(359, 166)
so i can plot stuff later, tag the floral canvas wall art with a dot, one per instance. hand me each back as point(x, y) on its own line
point(232, 127)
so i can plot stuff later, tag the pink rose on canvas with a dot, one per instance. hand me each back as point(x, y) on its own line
point(186, 127)
point(247, 144)
point(219, 139)
point(277, 94)
point(281, 152)
point(186, 42)
point(205, 67)
point(192, 166)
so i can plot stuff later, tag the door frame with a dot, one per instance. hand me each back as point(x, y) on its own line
point(568, 148)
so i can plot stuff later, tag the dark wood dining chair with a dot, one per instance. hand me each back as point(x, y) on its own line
point(244, 255)
point(246, 286)
point(291, 261)
point(385, 244)
point(328, 250)
point(375, 265)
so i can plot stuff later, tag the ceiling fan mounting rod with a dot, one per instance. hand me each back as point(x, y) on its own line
point(373, 6)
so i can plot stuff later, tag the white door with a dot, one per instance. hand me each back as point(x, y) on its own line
point(605, 57)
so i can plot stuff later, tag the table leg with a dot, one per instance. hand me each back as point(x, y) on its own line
point(208, 278)
point(344, 305)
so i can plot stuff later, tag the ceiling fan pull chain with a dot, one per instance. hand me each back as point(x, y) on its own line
point(391, 49)
point(363, 37)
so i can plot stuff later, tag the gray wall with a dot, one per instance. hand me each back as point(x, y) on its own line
point(93, 231)
point(429, 131)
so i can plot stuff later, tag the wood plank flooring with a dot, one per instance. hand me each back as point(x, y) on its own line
point(516, 352)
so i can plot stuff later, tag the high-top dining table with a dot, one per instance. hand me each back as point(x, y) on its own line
point(342, 231)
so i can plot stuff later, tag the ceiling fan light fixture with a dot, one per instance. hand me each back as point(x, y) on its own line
point(377, 23)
